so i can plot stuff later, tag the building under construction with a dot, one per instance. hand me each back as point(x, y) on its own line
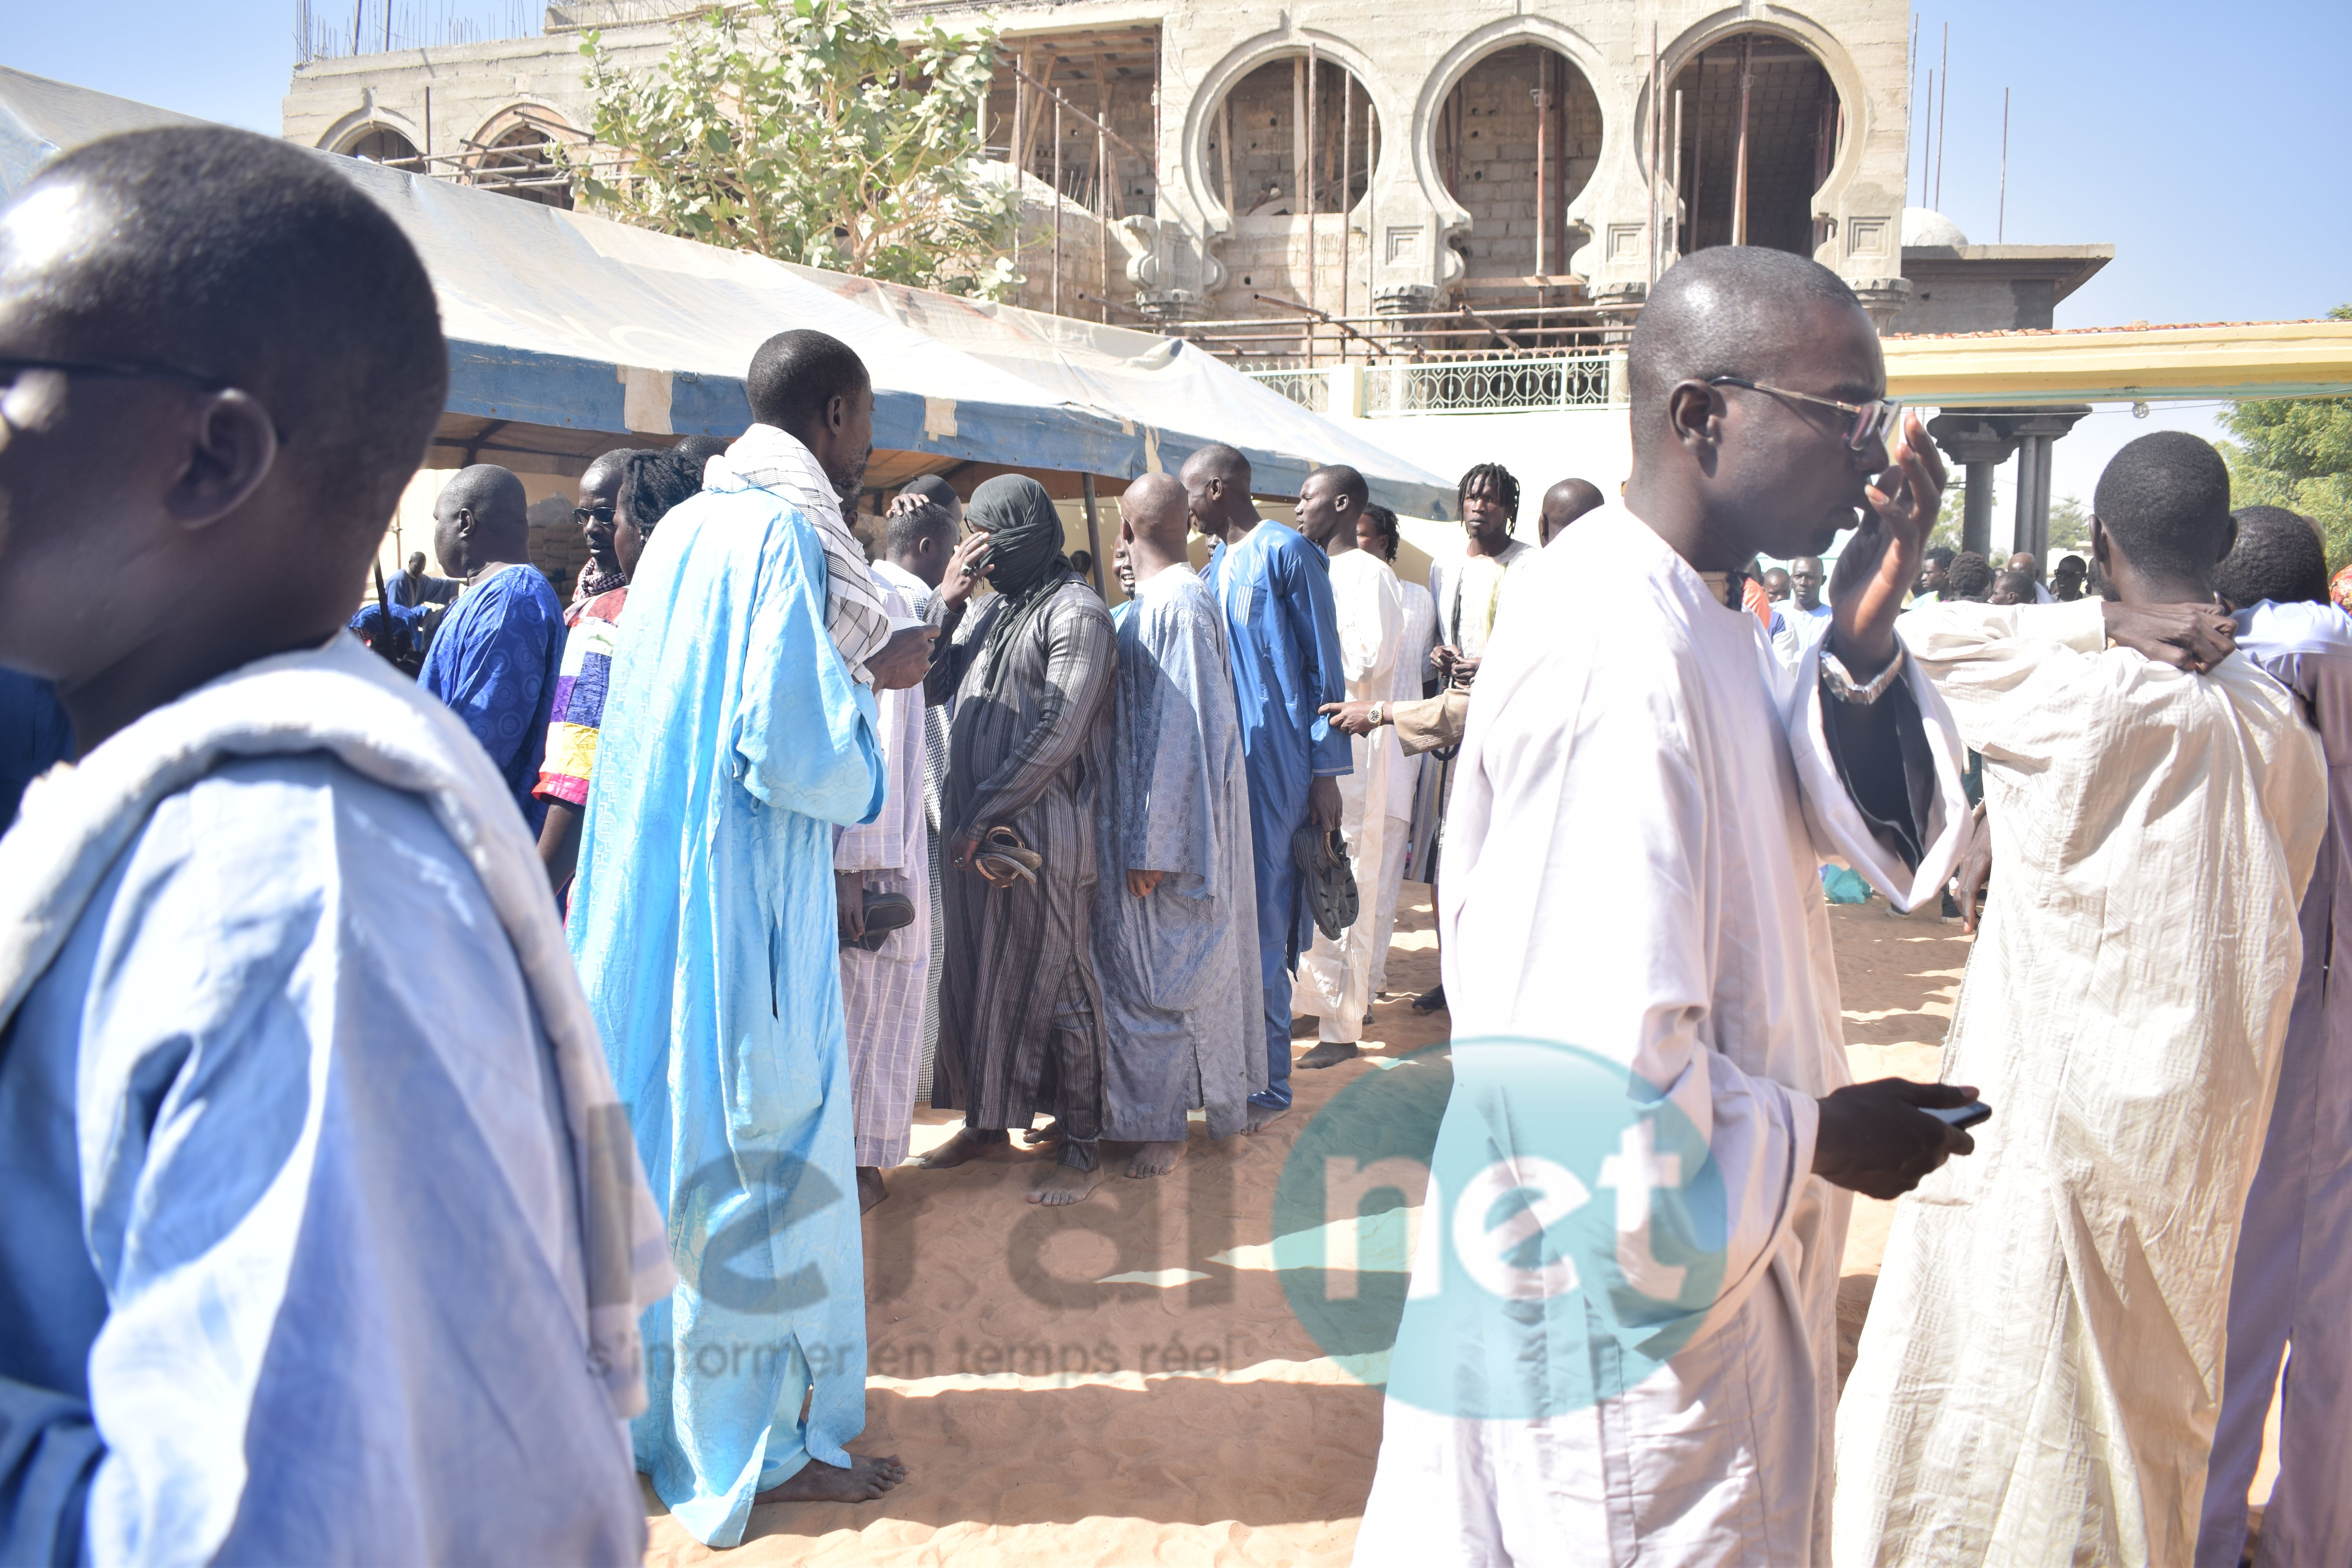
point(1356, 181)
point(1402, 213)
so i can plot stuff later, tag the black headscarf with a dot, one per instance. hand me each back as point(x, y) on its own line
point(1025, 536)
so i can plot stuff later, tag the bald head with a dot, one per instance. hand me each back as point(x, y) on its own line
point(229, 362)
point(1726, 310)
point(481, 519)
point(1733, 364)
point(1217, 491)
point(1154, 519)
point(243, 261)
point(1563, 504)
point(1220, 461)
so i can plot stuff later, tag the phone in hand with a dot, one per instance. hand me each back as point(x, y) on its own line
point(1975, 1113)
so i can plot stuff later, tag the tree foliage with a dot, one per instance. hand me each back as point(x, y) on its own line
point(2069, 524)
point(2296, 452)
point(809, 131)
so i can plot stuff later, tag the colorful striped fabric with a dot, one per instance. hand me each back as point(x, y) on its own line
point(578, 709)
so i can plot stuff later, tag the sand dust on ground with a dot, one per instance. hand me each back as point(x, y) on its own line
point(1123, 1382)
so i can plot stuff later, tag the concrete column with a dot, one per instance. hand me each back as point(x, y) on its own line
point(1344, 398)
point(2039, 430)
point(1976, 518)
point(1981, 441)
point(2029, 454)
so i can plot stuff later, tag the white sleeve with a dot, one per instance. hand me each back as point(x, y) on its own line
point(1992, 665)
point(1837, 823)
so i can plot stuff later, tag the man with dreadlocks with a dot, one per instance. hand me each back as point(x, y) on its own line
point(1020, 1011)
point(1468, 589)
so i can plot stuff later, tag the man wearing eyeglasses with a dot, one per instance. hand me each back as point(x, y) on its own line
point(1642, 798)
point(303, 1261)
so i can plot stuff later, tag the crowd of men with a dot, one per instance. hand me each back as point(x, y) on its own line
point(306, 1262)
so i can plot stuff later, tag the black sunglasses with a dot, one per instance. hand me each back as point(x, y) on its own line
point(592, 513)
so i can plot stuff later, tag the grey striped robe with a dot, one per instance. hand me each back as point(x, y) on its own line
point(1020, 1026)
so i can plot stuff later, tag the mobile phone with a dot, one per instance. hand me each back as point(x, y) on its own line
point(1975, 1113)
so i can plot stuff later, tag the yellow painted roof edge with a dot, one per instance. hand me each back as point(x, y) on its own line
point(2236, 359)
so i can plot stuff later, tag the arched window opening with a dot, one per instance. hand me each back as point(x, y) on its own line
point(1517, 139)
point(520, 162)
point(381, 144)
point(1761, 124)
point(1291, 150)
point(1294, 137)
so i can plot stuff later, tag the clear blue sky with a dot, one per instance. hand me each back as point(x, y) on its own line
point(2204, 142)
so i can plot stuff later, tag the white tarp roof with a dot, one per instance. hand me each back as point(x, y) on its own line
point(568, 320)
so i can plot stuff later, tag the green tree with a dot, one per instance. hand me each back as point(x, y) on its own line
point(1948, 517)
point(2069, 524)
point(809, 131)
point(2296, 452)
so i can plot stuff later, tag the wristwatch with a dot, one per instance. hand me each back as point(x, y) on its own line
point(1846, 688)
point(1379, 714)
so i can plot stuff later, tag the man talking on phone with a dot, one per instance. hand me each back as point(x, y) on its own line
point(1642, 798)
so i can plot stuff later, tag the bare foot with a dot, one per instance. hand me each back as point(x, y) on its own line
point(965, 1145)
point(871, 1190)
point(1038, 1137)
point(1156, 1159)
point(866, 1479)
point(1066, 1185)
point(1430, 1000)
point(1329, 1054)
point(1262, 1116)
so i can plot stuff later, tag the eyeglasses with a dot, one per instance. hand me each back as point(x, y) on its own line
point(592, 513)
point(1873, 421)
point(11, 368)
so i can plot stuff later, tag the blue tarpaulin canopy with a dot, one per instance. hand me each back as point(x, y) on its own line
point(566, 321)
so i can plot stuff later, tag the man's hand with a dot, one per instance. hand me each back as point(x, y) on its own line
point(1875, 1139)
point(960, 851)
point(1466, 670)
point(1353, 718)
point(1441, 659)
point(1141, 883)
point(960, 577)
point(2194, 638)
point(1968, 876)
point(1323, 804)
point(904, 660)
point(849, 904)
point(1880, 564)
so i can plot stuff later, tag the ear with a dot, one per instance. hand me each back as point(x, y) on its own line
point(1694, 412)
point(2100, 553)
point(232, 446)
point(2229, 542)
point(836, 413)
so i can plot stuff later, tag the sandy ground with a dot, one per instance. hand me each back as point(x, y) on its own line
point(1123, 1382)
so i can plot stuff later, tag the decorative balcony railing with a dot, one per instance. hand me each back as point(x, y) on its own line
point(1502, 385)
